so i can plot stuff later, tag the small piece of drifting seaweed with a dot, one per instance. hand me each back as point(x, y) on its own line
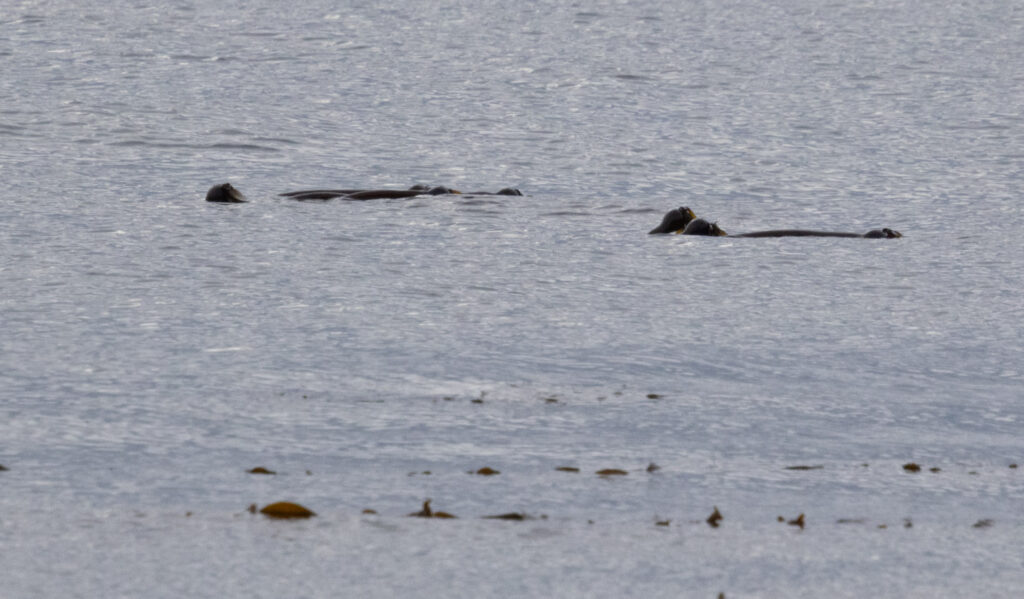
point(487, 471)
point(286, 510)
point(260, 470)
point(714, 518)
point(983, 523)
point(509, 516)
point(662, 522)
point(653, 396)
point(935, 469)
point(611, 472)
point(652, 467)
point(911, 467)
point(818, 467)
point(798, 521)
point(567, 469)
point(426, 512)
point(369, 511)
point(2, 467)
point(1014, 466)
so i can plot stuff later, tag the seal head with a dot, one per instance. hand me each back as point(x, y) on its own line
point(225, 192)
point(441, 190)
point(699, 226)
point(883, 234)
point(675, 221)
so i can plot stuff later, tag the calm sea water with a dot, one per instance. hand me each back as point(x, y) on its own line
point(153, 346)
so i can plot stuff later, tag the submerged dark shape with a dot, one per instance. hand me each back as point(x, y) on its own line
point(368, 194)
point(319, 194)
point(884, 233)
point(675, 221)
point(506, 191)
point(386, 194)
point(224, 192)
point(682, 220)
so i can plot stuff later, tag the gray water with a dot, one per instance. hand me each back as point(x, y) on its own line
point(153, 347)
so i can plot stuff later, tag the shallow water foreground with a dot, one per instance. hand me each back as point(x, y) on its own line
point(163, 555)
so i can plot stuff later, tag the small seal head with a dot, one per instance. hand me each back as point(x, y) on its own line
point(675, 221)
point(441, 190)
point(883, 234)
point(224, 192)
point(509, 191)
point(699, 226)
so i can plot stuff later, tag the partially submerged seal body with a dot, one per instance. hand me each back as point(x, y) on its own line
point(507, 191)
point(684, 221)
point(224, 192)
point(367, 194)
point(319, 194)
point(386, 194)
point(884, 233)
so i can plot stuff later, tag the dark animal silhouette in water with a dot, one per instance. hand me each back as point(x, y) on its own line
point(682, 220)
point(224, 192)
point(382, 194)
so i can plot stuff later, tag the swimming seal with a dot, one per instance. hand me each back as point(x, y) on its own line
point(368, 194)
point(690, 225)
point(507, 191)
point(319, 194)
point(386, 194)
point(884, 233)
point(674, 221)
point(225, 192)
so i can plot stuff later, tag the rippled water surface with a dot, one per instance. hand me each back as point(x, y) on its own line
point(153, 347)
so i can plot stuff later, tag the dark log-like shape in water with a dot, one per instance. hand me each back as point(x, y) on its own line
point(872, 234)
point(319, 194)
point(387, 194)
point(507, 191)
point(367, 194)
point(682, 220)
